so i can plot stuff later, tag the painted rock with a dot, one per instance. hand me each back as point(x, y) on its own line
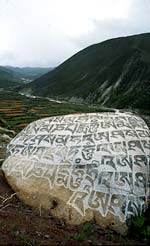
point(82, 167)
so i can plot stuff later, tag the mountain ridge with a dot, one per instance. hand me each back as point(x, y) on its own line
point(114, 73)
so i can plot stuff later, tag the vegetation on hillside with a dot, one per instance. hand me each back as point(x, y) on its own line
point(114, 73)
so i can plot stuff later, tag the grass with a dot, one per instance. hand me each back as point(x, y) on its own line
point(140, 226)
point(86, 234)
point(79, 237)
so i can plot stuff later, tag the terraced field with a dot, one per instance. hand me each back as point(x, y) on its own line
point(17, 110)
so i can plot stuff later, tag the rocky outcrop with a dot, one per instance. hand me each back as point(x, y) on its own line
point(82, 167)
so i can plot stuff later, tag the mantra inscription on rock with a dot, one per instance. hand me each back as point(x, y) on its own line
point(102, 158)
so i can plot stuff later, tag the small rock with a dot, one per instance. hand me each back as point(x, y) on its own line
point(46, 236)
point(38, 233)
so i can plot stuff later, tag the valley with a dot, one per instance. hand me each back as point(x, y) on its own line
point(17, 111)
point(107, 77)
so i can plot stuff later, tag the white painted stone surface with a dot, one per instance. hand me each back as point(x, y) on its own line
point(91, 165)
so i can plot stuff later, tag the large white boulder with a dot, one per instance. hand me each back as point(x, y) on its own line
point(82, 167)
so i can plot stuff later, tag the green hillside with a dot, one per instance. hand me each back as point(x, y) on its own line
point(6, 74)
point(14, 76)
point(114, 73)
point(7, 78)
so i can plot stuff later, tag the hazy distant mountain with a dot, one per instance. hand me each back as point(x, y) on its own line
point(12, 76)
point(114, 73)
point(27, 74)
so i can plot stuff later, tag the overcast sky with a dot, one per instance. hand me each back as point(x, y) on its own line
point(47, 32)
